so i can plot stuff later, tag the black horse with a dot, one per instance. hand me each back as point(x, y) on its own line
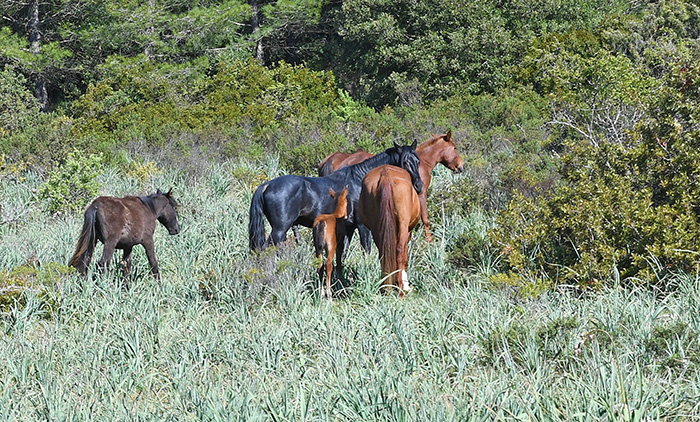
point(289, 200)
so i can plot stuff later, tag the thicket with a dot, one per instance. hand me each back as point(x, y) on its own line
point(627, 202)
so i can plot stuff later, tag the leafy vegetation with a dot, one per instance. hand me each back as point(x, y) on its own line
point(72, 185)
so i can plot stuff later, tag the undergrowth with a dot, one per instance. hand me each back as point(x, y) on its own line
point(232, 336)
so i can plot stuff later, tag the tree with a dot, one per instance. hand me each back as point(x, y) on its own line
point(403, 52)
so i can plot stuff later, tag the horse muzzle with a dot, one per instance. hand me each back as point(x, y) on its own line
point(459, 169)
point(418, 186)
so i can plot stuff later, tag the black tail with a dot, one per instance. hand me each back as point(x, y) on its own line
point(319, 231)
point(86, 242)
point(256, 225)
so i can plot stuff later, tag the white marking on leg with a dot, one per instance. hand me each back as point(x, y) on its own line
point(404, 281)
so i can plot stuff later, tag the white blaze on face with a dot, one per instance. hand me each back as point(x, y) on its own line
point(404, 281)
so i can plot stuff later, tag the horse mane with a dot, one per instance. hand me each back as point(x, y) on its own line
point(149, 202)
point(361, 169)
point(430, 142)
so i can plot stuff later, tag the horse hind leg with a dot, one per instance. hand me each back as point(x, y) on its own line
point(277, 237)
point(329, 272)
point(107, 254)
point(402, 261)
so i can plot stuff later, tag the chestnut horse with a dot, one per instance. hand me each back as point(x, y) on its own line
point(339, 159)
point(390, 208)
point(438, 149)
point(327, 230)
point(121, 223)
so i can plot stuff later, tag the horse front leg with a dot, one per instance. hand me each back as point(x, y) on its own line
point(151, 254)
point(423, 201)
point(126, 266)
point(126, 260)
point(341, 241)
point(297, 237)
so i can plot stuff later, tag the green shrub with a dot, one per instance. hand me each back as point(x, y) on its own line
point(32, 278)
point(664, 341)
point(626, 209)
point(71, 185)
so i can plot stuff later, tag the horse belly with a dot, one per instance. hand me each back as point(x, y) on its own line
point(132, 233)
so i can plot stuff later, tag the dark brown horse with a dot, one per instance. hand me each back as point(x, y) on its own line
point(438, 149)
point(327, 230)
point(121, 223)
point(390, 208)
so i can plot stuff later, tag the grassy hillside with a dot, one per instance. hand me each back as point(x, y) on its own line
point(229, 336)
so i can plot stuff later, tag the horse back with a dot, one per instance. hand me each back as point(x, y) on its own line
point(126, 221)
point(354, 158)
point(331, 162)
point(396, 182)
point(294, 199)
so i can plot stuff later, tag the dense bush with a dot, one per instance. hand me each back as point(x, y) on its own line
point(73, 184)
point(631, 210)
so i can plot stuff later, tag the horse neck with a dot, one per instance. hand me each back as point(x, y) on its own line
point(428, 157)
point(155, 204)
point(369, 164)
point(341, 211)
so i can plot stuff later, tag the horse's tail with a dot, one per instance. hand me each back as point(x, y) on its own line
point(86, 242)
point(326, 168)
point(388, 232)
point(319, 231)
point(256, 224)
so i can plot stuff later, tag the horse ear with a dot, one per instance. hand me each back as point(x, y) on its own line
point(170, 192)
point(448, 137)
point(332, 192)
point(158, 192)
point(414, 144)
point(397, 145)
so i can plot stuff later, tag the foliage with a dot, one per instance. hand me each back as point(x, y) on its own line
point(141, 102)
point(71, 185)
point(31, 279)
point(406, 52)
point(632, 210)
point(17, 105)
point(141, 170)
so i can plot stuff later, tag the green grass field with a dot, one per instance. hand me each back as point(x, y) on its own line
point(229, 336)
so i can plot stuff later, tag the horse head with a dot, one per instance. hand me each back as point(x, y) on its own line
point(167, 216)
point(409, 161)
point(450, 156)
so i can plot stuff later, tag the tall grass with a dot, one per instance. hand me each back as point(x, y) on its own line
point(230, 336)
